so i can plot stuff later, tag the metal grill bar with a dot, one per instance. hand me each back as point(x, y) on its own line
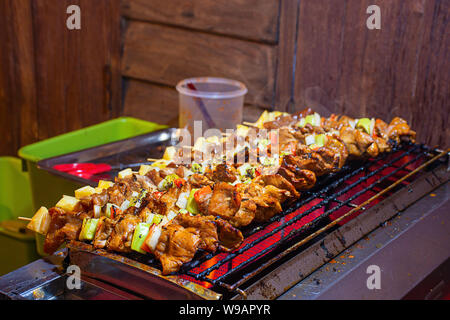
point(293, 233)
point(316, 221)
point(333, 223)
point(346, 204)
point(327, 187)
point(303, 259)
point(203, 275)
point(323, 190)
point(286, 240)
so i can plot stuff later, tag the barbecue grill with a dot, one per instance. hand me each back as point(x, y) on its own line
point(278, 257)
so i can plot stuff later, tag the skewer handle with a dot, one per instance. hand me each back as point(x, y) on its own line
point(24, 218)
point(249, 124)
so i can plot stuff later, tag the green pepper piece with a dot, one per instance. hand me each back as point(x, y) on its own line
point(191, 203)
point(157, 218)
point(88, 229)
point(320, 140)
point(167, 182)
point(109, 208)
point(196, 168)
point(171, 178)
point(140, 233)
point(364, 123)
point(309, 119)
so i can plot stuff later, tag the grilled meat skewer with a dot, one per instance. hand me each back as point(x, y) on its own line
point(226, 197)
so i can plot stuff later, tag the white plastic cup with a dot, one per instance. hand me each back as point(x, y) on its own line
point(217, 102)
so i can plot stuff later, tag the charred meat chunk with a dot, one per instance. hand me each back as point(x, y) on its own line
point(104, 229)
point(122, 234)
point(230, 238)
point(199, 180)
point(223, 173)
point(399, 129)
point(225, 201)
point(246, 213)
point(207, 230)
point(176, 245)
point(301, 179)
point(63, 226)
point(359, 144)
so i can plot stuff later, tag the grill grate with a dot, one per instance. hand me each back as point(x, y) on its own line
point(289, 241)
point(336, 199)
point(333, 197)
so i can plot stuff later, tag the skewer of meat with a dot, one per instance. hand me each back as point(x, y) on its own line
point(222, 204)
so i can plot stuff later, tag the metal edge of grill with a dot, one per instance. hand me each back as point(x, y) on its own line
point(133, 275)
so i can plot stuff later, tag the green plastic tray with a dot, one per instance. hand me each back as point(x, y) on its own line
point(17, 246)
point(15, 192)
point(47, 189)
point(102, 133)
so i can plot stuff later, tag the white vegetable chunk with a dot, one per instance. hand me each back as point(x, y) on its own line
point(40, 222)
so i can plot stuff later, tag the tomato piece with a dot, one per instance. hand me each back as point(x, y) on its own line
point(144, 245)
point(179, 182)
point(115, 212)
point(240, 185)
point(202, 191)
point(293, 149)
point(157, 194)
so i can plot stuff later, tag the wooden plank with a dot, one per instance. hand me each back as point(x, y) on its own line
point(432, 83)
point(248, 19)
point(159, 104)
point(72, 66)
point(22, 22)
point(344, 67)
point(18, 114)
point(252, 113)
point(7, 127)
point(53, 80)
point(78, 74)
point(151, 102)
point(318, 55)
point(100, 60)
point(167, 55)
point(286, 51)
point(50, 61)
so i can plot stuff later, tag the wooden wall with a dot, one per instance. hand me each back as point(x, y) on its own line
point(129, 55)
point(401, 70)
point(166, 43)
point(293, 54)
